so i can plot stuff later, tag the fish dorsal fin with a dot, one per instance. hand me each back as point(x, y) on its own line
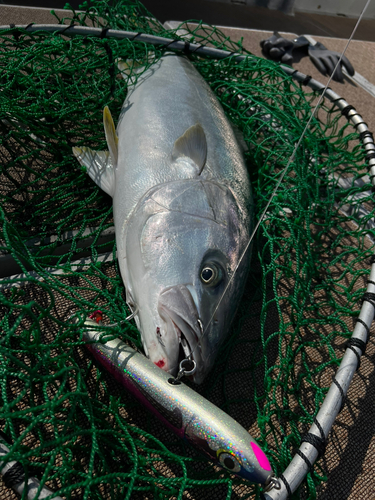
point(99, 167)
point(192, 144)
point(110, 135)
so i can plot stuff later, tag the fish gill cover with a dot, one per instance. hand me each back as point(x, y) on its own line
point(67, 421)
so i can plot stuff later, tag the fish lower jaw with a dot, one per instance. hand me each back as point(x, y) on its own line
point(185, 342)
point(185, 351)
point(193, 354)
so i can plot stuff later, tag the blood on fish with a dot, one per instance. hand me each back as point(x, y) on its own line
point(160, 363)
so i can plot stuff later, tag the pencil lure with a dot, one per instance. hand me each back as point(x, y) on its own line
point(189, 415)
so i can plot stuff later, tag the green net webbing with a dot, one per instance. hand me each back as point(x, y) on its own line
point(69, 423)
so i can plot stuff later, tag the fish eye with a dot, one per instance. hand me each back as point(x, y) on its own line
point(211, 274)
point(229, 462)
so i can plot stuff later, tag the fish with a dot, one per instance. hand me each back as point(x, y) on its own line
point(189, 415)
point(182, 206)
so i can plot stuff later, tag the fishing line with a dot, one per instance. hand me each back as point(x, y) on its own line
point(281, 178)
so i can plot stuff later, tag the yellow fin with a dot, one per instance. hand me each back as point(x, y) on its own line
point(110, 135)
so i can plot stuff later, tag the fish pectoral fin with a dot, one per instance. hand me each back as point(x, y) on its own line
point(192, 144)
point(99, 167)
point(110, 135)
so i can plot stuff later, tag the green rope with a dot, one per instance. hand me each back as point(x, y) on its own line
point(67, 419)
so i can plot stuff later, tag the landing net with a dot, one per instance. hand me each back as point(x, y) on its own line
point(67, 421)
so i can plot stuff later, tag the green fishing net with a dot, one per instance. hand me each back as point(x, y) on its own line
point(67, 421)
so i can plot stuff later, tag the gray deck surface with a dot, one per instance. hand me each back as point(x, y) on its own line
point(231, 14)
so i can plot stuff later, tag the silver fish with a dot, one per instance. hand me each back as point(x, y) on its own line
point(182, 212)
point(186, 413)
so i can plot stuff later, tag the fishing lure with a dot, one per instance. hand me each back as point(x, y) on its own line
point(189, 415)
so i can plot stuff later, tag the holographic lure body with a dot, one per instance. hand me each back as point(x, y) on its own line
point(180, 408)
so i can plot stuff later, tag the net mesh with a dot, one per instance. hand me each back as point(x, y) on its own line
point(67, 421)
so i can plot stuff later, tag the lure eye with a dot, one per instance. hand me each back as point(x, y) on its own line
point(229, 462)
point(210, 274)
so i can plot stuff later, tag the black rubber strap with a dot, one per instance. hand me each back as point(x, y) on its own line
point(286, 484)
point(16, 474)
point(369, 297)
point(343, 398)
point(357, 356)
point(16, 33)
point(324, 90)
point(354, 342)
point(319, 442)
point(360, 344)
point(363, 324)
point(197, 48)
point(71, 25)
point(346, 110)
point(103, 33)
point(305, 459)
point(13, 476)
point(355, 125)
point(320, 428)
point(170, 43)
point(135, 36)
point(306, 80)
point(364, 134)
point(187, 48)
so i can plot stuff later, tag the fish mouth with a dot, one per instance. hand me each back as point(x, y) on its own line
point(179, 312)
